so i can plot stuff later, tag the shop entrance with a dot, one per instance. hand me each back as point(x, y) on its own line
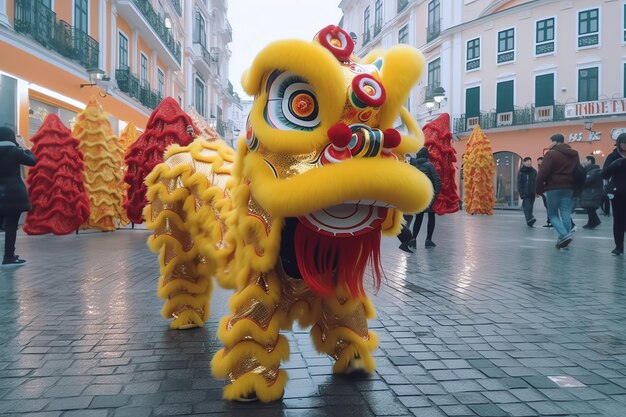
point(505, 181)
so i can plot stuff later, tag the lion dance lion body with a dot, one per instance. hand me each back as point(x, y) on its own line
point(291, 220)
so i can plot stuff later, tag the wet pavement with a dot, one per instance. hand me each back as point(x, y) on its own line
point(494, 321)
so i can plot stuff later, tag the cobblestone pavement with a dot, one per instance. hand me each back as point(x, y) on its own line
point(481, 325)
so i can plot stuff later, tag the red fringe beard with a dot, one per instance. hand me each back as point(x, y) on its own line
point(326, 262)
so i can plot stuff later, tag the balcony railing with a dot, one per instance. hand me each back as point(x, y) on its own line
point(433, 30)
point(39, 22)
point(207, 57)
point(518, 117)
point(158, 24)
point(131, 84)
point(176, 4)
point(430, 91)
point(402, 5)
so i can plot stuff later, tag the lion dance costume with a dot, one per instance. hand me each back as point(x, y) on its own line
point(294, 218)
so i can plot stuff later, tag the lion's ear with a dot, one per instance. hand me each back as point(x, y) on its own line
point(249, 86)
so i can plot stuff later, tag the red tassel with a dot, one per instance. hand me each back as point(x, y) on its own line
point(326, 262)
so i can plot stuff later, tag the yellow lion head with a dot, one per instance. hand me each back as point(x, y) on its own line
point(320, 156)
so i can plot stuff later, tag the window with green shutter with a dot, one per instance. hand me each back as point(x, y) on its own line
point(434, 77)
point(544, 36)
point(472, 102)
point(473, 54)
point(122, 51)
point(588, 28)
point(624, 81)
point(506, 46)
point(199, 96)
point(544, 90)
point(160, 82)
point(504, 97)
point(588, 84)
point(434, 20)
point(81, 12)
point(403, 34)
point(143, 74)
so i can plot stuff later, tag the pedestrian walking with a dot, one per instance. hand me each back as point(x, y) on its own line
point(526, 181)
point(591, 195)
point(422, 163)
point(555, 179)
point(614, 169)
point(543, 197)
point(13, 195)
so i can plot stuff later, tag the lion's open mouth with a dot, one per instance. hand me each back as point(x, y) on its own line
point(347, 219)
point(333, 247)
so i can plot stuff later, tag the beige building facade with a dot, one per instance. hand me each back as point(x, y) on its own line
point(129, 53)
point(520, 69)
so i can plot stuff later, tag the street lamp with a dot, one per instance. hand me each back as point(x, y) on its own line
point(439, 95)
point(97, 77)
point(437, 99)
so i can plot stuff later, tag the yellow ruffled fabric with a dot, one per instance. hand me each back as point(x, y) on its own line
point(188, 205)
point(478, 173)
point(103, 156)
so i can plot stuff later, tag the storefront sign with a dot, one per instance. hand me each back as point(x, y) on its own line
point(579, 136)
point(595, 108)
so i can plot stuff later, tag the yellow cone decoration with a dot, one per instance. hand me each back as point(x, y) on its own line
point(478, 173)
point(103, 155)
point(127, 137)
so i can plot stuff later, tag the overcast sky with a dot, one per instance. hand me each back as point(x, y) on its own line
point(256, 23)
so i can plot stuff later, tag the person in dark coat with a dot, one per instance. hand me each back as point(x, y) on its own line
point(526, 180)
point(13, 195)
point(422, 163)
point(555, 179)
point(593, 189)
point(543, 196)
point(614, 169)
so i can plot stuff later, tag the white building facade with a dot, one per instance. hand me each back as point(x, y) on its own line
point(521, 69)
point(206, 64)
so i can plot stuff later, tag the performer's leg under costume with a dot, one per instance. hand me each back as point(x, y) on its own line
point(185, 281)
point(253, 349)
point(341, 332)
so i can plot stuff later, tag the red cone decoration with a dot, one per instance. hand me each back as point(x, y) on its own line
point(55, 184)
point(438, 141)
point(167, 125)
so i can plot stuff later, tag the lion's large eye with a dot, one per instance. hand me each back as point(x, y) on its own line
point(291, 102)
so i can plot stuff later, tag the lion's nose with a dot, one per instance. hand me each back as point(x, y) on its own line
point(340, 136)
point(359, 141)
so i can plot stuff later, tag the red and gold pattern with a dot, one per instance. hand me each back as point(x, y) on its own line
point(295, 221)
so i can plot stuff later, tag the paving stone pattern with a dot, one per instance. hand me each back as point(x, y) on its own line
point(473, 327)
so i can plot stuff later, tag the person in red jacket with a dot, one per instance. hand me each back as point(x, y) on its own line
point(555, 179)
